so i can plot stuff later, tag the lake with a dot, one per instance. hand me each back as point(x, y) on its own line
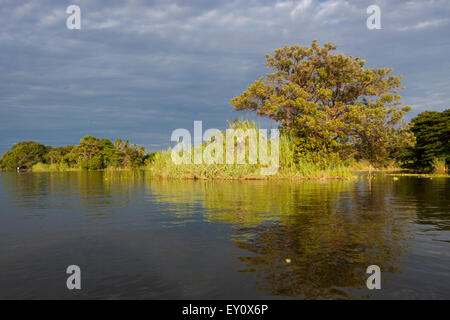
point(135, 237)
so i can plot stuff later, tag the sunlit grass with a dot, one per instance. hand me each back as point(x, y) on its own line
point(44, 167)
point(439, 165)
point(61, 167)
point(162, 166)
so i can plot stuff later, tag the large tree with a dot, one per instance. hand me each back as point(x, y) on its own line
point(330, 103)
point(23, 155)
point(432, 132)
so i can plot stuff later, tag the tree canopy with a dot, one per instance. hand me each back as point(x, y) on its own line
point(23, 155)
point(92, 154)
point(331, 104)
point(432, 132)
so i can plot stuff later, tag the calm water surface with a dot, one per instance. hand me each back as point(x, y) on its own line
point(135, 237)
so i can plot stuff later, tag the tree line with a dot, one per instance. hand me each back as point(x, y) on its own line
point(331, 107)
point(432, 147)
point(92, 154)
point(336, 109)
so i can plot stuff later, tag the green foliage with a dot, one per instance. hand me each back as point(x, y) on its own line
point(163, 166)
point(55, 154)
point(91, 154)
point(324, 230)
point(432, 149)
point(23, 155)
point(333, 106)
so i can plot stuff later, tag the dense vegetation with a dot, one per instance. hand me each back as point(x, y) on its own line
point(332, 111)
point(432, 148)
point(289, 167)
point(91, 154)
point(333, 107)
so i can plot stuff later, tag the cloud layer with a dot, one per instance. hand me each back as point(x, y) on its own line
point(140, 69)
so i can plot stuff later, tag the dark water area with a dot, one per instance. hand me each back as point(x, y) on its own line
point(139, 238)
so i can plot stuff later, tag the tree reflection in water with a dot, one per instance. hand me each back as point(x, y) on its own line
point(307, 239)
point(304, 239)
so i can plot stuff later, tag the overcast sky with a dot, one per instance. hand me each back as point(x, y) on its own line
point(140, 69)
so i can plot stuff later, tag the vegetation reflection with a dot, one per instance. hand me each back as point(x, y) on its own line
point(310, 239)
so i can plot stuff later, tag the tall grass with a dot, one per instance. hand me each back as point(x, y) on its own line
point(62, 167)
point(439, 165)
point(44, 167)
point(163, 166)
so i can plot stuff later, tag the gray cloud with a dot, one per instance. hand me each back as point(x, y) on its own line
point(139, 69)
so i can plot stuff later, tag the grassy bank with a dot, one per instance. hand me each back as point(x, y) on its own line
point(162, 166)
point(43, 167)
point(421, 175)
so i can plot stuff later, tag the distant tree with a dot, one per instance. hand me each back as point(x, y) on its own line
point(330, 103)
point(111, 155)
point(23, 154)
point(432, 132)
point(142, 151)
point(55, 155)
point(118, 143)
point(90, 146)
point(133, 157)
point(71, 159)
point(91, 154)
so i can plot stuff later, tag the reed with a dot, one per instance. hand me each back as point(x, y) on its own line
point(162, 166)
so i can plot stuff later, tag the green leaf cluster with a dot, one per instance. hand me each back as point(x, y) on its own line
point(91, 154)
point(23, 155)
point(332, 105)
point(432, 133)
